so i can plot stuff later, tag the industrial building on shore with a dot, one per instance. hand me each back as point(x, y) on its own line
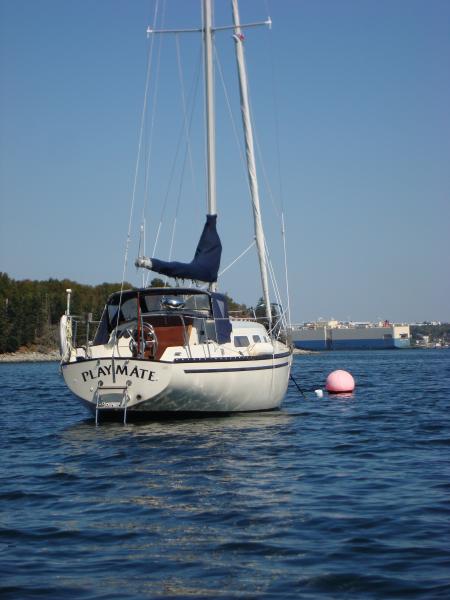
point(338, 335)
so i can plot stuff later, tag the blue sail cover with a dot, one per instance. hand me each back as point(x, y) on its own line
point(206, 262)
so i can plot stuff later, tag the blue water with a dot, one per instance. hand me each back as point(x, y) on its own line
point(328, 498)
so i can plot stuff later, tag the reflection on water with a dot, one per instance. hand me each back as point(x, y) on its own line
point(342, 396)
point(241, 422)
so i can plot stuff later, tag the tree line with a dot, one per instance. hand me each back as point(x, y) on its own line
point(436, 333)
point(30, 310)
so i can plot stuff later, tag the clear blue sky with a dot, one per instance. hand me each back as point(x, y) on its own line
point(358, 91)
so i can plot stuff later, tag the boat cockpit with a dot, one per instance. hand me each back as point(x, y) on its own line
point(150, 320)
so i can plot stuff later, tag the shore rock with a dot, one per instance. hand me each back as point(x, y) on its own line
point(13, 357)
point(300, 351)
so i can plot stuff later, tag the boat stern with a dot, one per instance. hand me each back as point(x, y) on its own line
point(116, 383)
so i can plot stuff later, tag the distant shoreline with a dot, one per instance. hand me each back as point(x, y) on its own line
point(17, 357)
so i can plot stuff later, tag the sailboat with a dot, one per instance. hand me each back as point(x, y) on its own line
point(176, 350)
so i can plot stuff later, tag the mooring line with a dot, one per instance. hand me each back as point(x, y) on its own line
point(298, 387)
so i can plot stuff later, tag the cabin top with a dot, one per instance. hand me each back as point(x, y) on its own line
point(130, 305)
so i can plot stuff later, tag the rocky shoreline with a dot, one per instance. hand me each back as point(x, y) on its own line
point(15, 357)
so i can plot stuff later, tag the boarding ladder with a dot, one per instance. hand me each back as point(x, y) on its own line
point(102, 403)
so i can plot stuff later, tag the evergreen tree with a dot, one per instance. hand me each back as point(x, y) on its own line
point(30, 310)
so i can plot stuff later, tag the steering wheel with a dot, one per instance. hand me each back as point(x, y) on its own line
point(148, 341)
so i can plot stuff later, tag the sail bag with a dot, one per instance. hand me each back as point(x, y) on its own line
point(206, 262)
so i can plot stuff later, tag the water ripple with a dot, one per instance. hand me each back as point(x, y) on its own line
point(333, 497)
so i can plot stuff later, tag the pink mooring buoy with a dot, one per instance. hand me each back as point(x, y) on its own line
point(339, 382)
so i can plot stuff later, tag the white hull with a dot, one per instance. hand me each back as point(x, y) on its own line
point(197, 386)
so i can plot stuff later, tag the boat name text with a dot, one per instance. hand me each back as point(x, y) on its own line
point(119, 370)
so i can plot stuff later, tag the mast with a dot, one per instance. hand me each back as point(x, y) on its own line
point(250, 153)
point(210, 117)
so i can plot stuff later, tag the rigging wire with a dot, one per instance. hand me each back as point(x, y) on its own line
point(280, 213)
point(186, 123)
point(288, 297)
point(238, 258)
point(138, 159)
point(133, 195)
point(243, 163)
point(239, 144)
point(205, 150)
point(150, 144)
point(276, 114)
point(238, 140)
point(188, 153)
point(193, 95)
